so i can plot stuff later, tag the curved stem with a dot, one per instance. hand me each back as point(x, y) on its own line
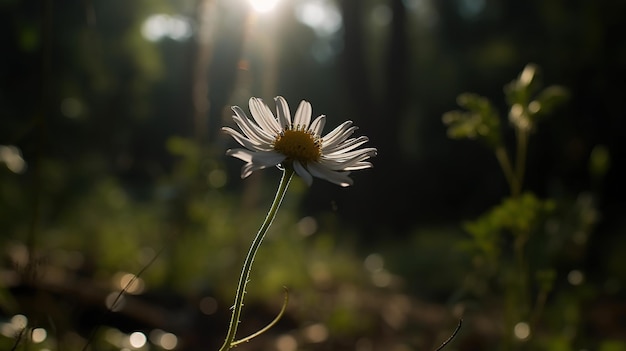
point(456, 331)
point(270, 325)
point(247, 266)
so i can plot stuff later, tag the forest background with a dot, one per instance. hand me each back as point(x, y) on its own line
point(112, 164)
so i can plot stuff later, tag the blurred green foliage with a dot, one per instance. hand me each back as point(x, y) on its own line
point(513, 216)
point(518, 246)
point(481, 121)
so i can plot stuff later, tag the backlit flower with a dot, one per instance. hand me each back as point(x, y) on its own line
point(270, 140)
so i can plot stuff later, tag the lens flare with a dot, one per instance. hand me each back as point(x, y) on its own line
point(263, 6)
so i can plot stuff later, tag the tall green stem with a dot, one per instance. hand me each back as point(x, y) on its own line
point(521, 289)
point(507, 169)
point(247, 266)
point(520, 160)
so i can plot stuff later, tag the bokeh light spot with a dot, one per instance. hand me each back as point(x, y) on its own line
point(19, 321)
point(115, 301)
point(168, 341)
point(137, 339)
point(575, 277)
point(15, 325)
point(38, 335)
point(208, 305)
point(382, 278)
point(521, 330)
point(159, 26)
point(286, 343)
point(322, 16)
point(374, 262)
point(11, 156)
point(307, 226)
point(165, 340)
point(320, 273)
point(128, 282)
point(316, 333)
point(534, 106)
point(7, 330)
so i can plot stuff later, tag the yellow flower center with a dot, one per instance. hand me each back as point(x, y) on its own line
point(298, 145)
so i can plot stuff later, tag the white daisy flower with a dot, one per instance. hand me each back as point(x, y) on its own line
point(280, 141)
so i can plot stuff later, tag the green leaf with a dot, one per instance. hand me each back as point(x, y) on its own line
point(514, 215)
point(480, 122)
point(519, 90)
point(549, 99)
point(527, 103)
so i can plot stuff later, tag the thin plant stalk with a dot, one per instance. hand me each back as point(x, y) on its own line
point(522, 304)
point(520, 160)
point(507, 169)
point(247, 266)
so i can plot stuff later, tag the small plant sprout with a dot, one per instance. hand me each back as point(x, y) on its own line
point(527, 104)
point(500, 237)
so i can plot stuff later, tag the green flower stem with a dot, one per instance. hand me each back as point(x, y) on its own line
point(247, 266)
point(507, 169)
point(520, 161)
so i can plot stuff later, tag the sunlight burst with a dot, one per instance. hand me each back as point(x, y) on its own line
point(263, 6)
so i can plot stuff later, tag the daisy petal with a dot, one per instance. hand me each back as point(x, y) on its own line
point(242, 154)
point(252, 131)
point(243, 117)
point(263, 116)
point(245, 142)
point(339, 129)
point(267, 158)
point(344, 163)
point(339, 178)
point(248, 168)
point(337, 138)
point(318, 125)
point(346, 146)
point(303, 173)
point(367, 153)
point(269, 140)
point(358, 166)
point(303, 115)
point(282, 110)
